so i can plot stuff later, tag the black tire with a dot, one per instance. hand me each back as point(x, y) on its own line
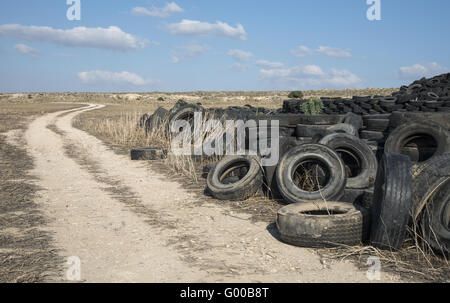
point(311, 119)
point(208, 167)
point(375, 116)
point(378, 125)
point(420, 134)
point(184, 112)
point(344, 128)
point(321, 224)
point(355, 120)
point(359, 160)
point(250, 175)
point(314, 131)
point(435, 220)
point(428, 177)
point(398, 119)
point(391, 204)
point(372, 135)
point(177, 106)
point(148, 153)
point(157, 120)
point(142, 120)
point(325, 172)
point(304, 130)
point(361, 197)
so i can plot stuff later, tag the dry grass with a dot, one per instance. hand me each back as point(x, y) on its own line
point(270, 99)
point(26, 250)
point(411, 262)
point(15, 115)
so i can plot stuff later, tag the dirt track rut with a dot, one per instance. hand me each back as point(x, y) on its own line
point(126, 223)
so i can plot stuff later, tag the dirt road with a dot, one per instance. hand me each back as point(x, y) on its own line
point(127, 223)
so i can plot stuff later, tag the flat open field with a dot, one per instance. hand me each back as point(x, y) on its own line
point(68, 188)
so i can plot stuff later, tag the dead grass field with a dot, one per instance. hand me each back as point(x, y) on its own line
point(26, 251)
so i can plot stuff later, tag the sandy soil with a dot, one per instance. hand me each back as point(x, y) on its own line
point(127, 223)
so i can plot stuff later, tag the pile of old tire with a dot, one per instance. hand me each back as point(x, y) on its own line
point(324, 223)
point(326, 184)
point(424, 95)
point(182, 110)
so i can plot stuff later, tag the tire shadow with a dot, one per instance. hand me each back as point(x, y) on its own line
point(273, 231)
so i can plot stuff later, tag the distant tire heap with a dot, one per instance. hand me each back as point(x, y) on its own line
point(424, 95)
point(366, 170)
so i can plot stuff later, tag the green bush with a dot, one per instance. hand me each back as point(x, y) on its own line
point(296, 94)
point(161, 99)
point(312, 106)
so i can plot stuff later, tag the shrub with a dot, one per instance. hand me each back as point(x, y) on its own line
point(296, 94)
point(312, 106)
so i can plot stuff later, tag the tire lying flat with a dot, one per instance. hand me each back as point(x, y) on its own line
point(319, 160)
point(248, 184)
point(391, 204)
point(321, 224)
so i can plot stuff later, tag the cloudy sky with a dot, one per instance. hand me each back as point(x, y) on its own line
point(148, 45)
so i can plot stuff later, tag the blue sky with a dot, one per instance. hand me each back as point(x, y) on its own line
point(220, 45)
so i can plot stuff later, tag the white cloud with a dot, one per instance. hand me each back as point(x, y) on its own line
point(308, 77)
point(113, 78)
point(175, 59)
point(268, 64)
point(26, 50)
point(301, 51)
point(112, 38)
point(188, 51)
point(164, 12)
point(240, 55)
point(334, 52)
point(239, 67)
point(193, 50)
point(196, 28)
point(420, 70)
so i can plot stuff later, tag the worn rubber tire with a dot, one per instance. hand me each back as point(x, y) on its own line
point(435, 220)
point(427, 178)
point(355, 120)
point(298, 226)
point(157, 120)
point(372, 135)
point(208, 167)
point(311, 131)
point(344, 128)
point(379, 125)
point(392, 201)
point(246, 187)
point(142, 120)
point(182, 113)
point(398, 138)
point(331, 162)
point(397, 119)
point(360, 152)
point(148, 153)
